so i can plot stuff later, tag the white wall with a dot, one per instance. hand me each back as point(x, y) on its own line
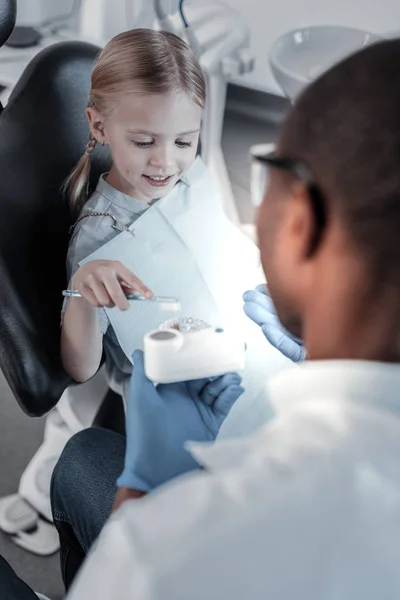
point(36, 11)
point(268, 20)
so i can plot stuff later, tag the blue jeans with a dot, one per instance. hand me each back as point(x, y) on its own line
point(83, 491)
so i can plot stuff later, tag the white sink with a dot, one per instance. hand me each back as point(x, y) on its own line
point(300, 56)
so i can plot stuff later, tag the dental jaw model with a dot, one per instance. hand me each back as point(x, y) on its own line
point(188, 348)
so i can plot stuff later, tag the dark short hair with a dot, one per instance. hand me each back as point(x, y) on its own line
point(346, 127)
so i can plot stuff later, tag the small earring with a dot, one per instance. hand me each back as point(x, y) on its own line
point(102, 142)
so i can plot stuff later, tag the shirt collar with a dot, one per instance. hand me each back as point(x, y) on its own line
point(119, 198)
point(363, 382)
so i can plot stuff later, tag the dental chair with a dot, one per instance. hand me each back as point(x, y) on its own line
point(43, 132)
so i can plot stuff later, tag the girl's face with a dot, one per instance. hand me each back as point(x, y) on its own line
point(153, 140)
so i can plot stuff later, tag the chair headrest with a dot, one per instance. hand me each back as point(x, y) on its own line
point(8, 15)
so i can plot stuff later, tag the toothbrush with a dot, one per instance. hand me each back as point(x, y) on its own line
point(164, 302)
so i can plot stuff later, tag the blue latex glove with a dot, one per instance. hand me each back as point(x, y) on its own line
point(260, 309)
point(161, 419)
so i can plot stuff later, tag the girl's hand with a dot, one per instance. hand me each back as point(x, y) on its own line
point(106, 282)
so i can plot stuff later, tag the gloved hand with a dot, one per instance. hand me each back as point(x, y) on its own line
point(161, 419)
point(260, 309)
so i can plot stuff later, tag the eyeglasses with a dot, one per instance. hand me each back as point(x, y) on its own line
point(302, 172)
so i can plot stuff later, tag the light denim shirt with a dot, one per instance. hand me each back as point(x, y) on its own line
point(90, 234)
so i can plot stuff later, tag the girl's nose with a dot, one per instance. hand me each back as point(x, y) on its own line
point(163, 157)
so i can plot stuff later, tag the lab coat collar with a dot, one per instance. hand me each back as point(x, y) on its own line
point(363, 382)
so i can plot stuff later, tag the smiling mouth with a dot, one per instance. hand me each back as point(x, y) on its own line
point(159, 180)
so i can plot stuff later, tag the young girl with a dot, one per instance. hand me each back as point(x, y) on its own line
point(146, 101)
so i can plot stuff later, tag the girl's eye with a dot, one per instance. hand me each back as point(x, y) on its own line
point(183, 144)
point(143, 144)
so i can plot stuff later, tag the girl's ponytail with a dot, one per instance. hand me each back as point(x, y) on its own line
point(76, 186)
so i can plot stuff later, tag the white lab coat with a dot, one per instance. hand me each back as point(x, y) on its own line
point(307, 508)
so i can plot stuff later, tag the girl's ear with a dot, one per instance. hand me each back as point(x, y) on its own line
point(96, 124)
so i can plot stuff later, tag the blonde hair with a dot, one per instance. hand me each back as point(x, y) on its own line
point(141, 61)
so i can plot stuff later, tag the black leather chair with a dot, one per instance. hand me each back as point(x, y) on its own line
point(43, 132)
point(8, 16)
